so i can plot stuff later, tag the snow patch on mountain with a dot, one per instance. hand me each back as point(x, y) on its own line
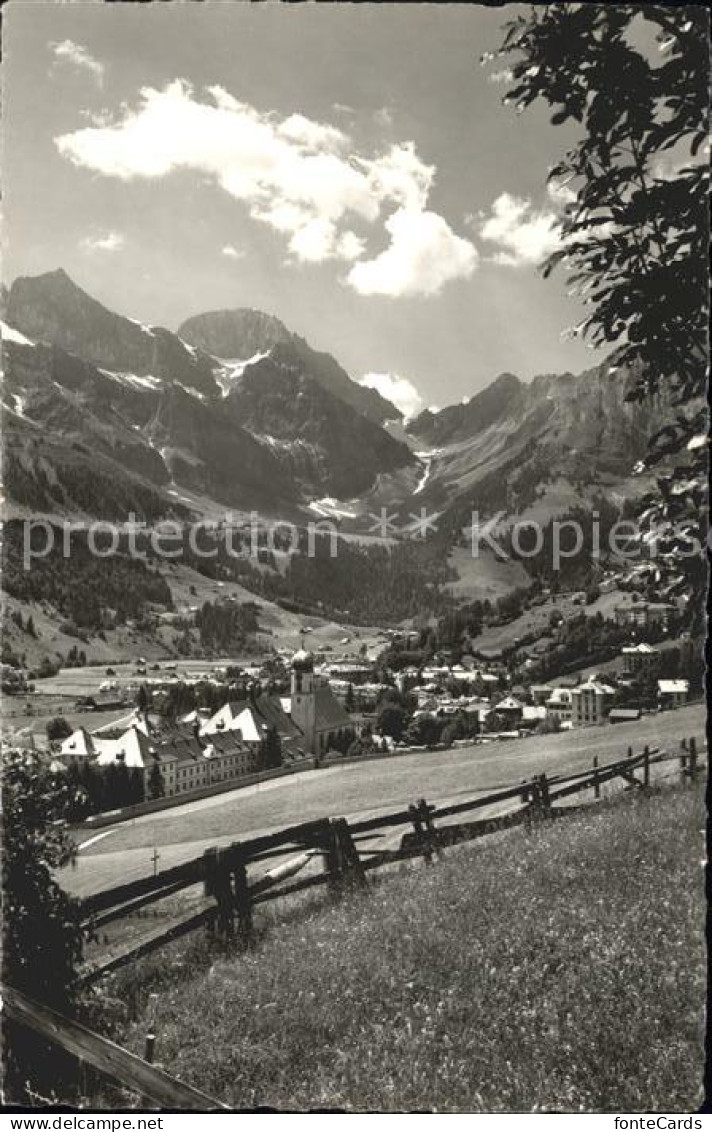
point(142, 326)
point(9, 334)
point(232, 370)
point(138, 381)
point(330, 508)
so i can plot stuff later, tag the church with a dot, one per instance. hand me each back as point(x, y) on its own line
point(313, 707)
point(308, 721)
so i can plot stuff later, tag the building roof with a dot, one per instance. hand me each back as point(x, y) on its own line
point(329, 714)
point(78, 743)
point(642, 649)
point(509, 703)
point(268, 711)
point(596, 686)
point(133, 719)
point(673, 687)
point(624, 715)
point(132, 748)
point(560, 696)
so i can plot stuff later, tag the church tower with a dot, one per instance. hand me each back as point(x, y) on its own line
point(304, 697)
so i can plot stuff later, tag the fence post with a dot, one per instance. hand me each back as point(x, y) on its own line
point(531, 794)
point(210, 857)
point(646, 766)
point(333, 860)
point(351, 865)
point(544, 801)
point(596, 783)
point(683, 759)
point(150, 1050)
point(629, 754)
point(693, 759)
point(217, 884)
point(243, 902)
point(423, 825)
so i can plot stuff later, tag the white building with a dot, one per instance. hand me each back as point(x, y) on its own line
point(673, 693)
point(640, 658)
point(558, 706)
point(590, 703)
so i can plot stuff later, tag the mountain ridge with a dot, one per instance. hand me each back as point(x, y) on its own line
point(175, 394)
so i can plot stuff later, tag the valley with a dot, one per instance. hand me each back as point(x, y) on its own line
point(303, 506)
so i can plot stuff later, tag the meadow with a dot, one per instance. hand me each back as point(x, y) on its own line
point(560, 970)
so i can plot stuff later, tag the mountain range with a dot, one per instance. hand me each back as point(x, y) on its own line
point(103, 415)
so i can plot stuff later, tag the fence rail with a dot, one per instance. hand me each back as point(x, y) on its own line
point(347, 853)
point(110, 1059)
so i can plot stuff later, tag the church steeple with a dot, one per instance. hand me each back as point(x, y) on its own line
point(303, 702)
point(302, 671)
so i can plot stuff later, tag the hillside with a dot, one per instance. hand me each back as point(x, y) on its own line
point(455, 988)
point(104, 417)
point(561, 437)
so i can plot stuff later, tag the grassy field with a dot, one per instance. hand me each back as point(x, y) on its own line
point(360, 788)
point(562, 970)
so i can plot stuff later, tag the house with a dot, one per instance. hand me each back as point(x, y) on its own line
point(624, 715)
point(558, 706)
point(672, 693)
point(532, 716)
point(511, 709)
point(540, 693)
point(645, 614)
point(590, 703)
point(640, 658)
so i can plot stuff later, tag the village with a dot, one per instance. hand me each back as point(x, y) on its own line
point(353, 602)
point(209, 728)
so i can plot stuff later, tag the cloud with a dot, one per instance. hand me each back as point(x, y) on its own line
point(108, 242)
point(398, 390)
point(77, 56)
point(523, 235)
point(299, 176)
point(423, 255)
point(560, 193)
point(231, 252)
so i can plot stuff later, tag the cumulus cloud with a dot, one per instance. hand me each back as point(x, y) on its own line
point(77, 56)
point(560, 193)
point(424, 254)
point(107, 242)
point(522, 234)
point(296, 175)
point(398, 390)
point(231, 252)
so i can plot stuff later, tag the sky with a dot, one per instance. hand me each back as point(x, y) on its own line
point(348, 168)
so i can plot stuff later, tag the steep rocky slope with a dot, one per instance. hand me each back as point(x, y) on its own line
point(172, 412)
point(240, 334)
point(561, 436)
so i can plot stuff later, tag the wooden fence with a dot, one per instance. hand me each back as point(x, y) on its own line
point(127, 1069)
point(229, 898)
point(348, 852)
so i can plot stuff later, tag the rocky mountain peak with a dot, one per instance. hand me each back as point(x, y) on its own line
point(234, 334)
